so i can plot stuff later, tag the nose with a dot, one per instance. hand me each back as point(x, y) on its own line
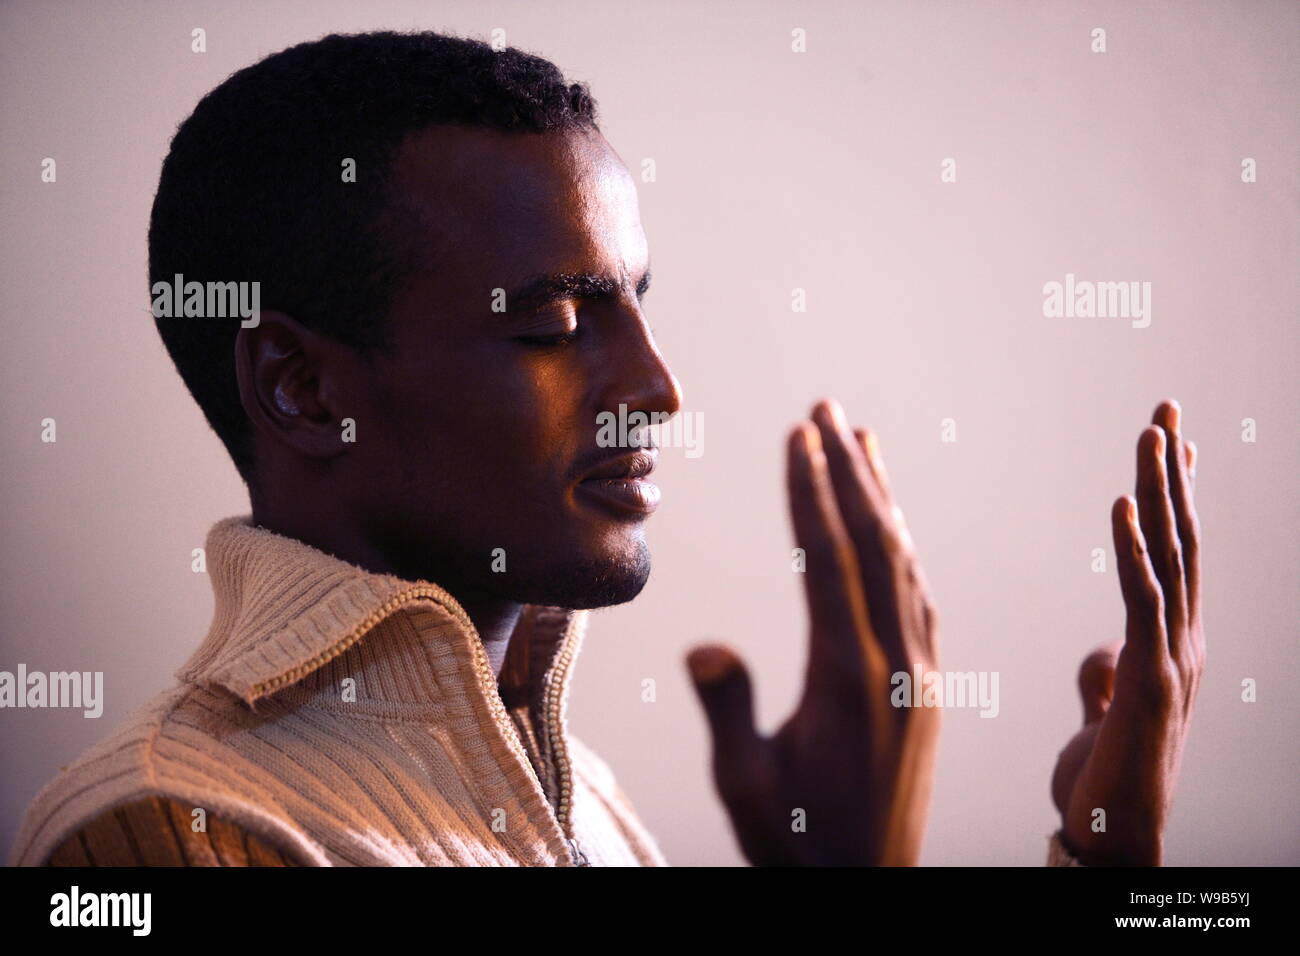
point(638, 375)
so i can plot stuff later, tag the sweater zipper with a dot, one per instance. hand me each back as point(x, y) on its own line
point(579, 857)
point(559, 751)
point(483, 667)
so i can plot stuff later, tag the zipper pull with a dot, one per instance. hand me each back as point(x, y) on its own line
point(579, 858)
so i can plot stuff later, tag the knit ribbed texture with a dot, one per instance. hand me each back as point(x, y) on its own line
point(159, 832)
point(342, 717)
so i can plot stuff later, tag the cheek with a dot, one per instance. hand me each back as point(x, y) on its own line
point(526, 446)
point(530, 425)
point(406, 435)
point(489, 423)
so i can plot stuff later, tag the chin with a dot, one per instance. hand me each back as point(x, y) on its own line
point(594, 581)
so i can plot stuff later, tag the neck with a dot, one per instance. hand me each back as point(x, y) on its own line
point(495, 622)
point(494, 618)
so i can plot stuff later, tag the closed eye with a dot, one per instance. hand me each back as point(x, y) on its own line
point(548, 341)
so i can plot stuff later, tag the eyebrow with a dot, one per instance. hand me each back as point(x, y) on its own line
point(543, 290)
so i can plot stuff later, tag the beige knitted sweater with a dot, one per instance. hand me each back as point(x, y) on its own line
point(337, 717)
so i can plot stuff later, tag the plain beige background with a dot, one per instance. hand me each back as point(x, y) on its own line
point(776, 170)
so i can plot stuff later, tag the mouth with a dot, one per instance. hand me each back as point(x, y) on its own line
point(620, 486)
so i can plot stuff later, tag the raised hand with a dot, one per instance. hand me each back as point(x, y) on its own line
point(1138, 695)
point(847, 778)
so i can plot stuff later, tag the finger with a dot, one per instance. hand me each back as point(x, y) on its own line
point(871, 451)
point(1169, 416)
point(722, 683)
point(1159, 526)
point(867, 441)
point(837, 610)
point(1097, 681)
point(742, 768)
point(1143, 601)
point(1194, 609)
point(875, 538)
point(924, 606)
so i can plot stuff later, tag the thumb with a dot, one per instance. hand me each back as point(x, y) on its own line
point(1097, 681)
point(722, 682)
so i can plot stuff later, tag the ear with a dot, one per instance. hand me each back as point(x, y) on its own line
point(290, 384)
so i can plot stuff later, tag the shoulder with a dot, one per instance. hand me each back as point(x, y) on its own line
point(140, 794)
point(165, 831)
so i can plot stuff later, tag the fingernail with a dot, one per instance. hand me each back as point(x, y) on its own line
point(901, 521)
point(708, 664)
point(812, 444)
point(837, 415)
point(1175, 416)
point(873, 449)
point(873, 455)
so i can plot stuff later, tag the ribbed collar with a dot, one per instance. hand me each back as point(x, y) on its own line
point(285, 611)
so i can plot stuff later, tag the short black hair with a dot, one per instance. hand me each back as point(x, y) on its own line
point(252, 188)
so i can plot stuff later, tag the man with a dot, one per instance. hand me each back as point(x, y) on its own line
point(450, 267)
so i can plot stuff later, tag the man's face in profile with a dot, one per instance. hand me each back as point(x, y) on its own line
point(477, 431)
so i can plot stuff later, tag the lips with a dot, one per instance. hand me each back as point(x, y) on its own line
point(638, 464)
point(619, 485)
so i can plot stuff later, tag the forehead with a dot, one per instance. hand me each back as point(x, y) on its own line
point(493, 207)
